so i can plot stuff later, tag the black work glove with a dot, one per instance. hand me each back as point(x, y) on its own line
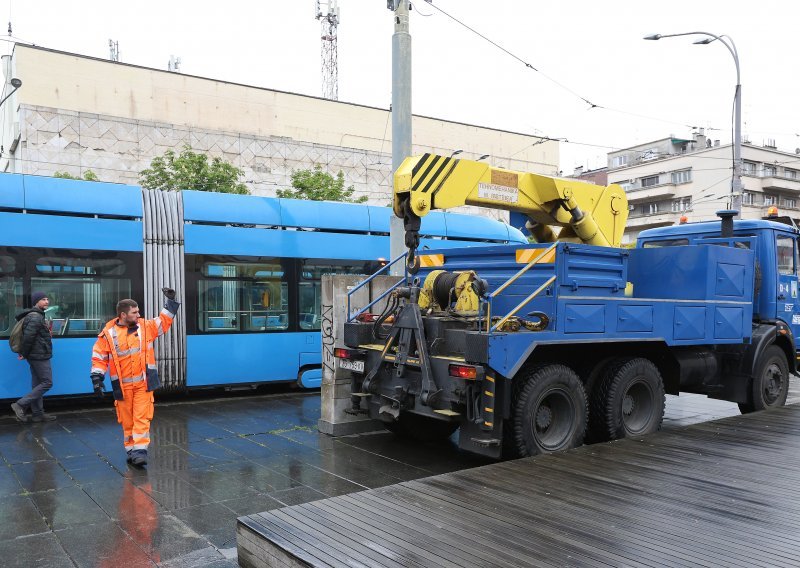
point(169, 293)
point(97, 383)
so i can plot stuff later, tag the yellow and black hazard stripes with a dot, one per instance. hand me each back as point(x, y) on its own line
point(430, 173)
point(526, 255)
point(431, 260)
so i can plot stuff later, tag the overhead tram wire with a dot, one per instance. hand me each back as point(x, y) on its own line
point(554, 81)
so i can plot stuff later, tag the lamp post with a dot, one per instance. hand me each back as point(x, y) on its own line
point(736, 185)
point(16, 83)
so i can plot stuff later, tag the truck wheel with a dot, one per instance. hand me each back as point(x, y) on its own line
point(628, 401)
point(770, 383)
point(549, 410)
point(421, 428)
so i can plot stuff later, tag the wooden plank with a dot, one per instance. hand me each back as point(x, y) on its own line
point(723, 493)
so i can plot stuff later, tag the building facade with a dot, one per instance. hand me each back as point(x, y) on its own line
point(75, 113)
point(673, 177)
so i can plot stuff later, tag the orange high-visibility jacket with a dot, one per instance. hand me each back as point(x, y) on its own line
point(129, 356)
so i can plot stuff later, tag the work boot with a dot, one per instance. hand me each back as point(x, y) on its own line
point(20, 412)
point(138, 458)
point(43, 417)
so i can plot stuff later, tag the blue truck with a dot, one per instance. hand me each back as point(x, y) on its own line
point(530, 349)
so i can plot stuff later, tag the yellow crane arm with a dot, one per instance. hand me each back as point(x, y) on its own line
point(585, 212)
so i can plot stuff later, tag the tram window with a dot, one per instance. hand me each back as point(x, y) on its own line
point(98, 266)
point(311, 287)
point(82, 305)
point(243, 296)
point(11, 297)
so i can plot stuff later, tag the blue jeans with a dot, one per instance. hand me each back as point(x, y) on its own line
point(41, 382)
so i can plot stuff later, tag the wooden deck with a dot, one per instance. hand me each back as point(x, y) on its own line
point(723, 493)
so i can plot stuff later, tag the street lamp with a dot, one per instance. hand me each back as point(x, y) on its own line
point(16, 83)
point(736, 185)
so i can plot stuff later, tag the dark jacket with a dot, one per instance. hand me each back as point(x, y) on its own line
point(37, 344)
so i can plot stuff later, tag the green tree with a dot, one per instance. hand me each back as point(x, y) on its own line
point(317, 185)
point(88, 175)
point(192, 170)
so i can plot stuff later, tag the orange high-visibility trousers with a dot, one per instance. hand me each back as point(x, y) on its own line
point(135, 412)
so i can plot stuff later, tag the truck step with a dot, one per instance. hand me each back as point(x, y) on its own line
point(486, 442)
point(361, 394)
point(445, 412)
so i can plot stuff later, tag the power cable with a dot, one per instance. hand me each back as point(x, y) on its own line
point(530, 66)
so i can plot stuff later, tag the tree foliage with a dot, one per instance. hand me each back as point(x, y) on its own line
point(317, 185)
point(192, 170)
point(88, 175)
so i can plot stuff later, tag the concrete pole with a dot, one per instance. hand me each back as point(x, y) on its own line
point(401, 115)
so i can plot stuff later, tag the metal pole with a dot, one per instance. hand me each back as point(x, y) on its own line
point(401, 115)
point(737, 189)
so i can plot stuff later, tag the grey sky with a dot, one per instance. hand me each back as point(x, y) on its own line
point(594, 48)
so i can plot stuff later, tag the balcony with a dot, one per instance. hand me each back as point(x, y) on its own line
point(655, 220)
point(782, 183)
point(663, 190)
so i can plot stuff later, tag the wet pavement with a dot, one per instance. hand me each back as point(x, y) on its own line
point(67, 497)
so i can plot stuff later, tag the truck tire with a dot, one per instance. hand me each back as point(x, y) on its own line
point(628, 401)
point(421, 428)
point(549, 410)
point(770, 384)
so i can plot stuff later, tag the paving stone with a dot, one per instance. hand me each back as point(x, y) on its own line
point(39, 550)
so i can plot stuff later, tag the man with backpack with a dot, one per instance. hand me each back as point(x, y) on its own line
point(31, 340)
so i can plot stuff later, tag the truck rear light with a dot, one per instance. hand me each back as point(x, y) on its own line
point(342, 353)
point(463, 371)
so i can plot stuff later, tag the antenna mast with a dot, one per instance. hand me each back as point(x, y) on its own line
point(113, 47)
point(328, 15)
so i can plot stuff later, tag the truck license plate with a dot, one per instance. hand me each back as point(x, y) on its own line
point(357, 366)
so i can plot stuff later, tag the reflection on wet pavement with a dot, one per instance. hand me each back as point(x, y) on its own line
point(67, 497)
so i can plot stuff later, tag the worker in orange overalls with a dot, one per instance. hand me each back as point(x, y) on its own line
point(125, 349)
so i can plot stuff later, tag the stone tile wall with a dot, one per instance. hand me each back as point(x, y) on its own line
point(117, 149)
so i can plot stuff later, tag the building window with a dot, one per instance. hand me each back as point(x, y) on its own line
point(791, 174)
point(627, 186)
point(683, 176)
point(790, 202)
point(770, 200)
point(770, 171)
point(649, 181)
point(749, 168)
point(681, 205)
point(748, 198)
point(619, 161)
point(652, 208)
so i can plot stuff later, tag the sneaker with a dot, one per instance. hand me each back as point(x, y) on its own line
point(129, 459)
point(19, 411)
point(43, 417)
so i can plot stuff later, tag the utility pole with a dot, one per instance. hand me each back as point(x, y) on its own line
point(401, 115)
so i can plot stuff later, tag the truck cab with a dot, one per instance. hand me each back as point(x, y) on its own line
point(775, 297)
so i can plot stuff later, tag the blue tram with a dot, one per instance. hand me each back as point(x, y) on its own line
point(247, 268)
